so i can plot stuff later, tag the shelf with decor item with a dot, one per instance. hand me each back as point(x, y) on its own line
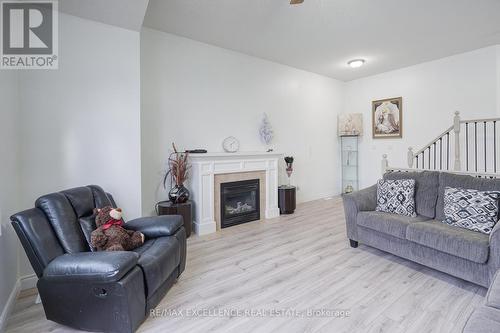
point(349, 151)
point(350, 127)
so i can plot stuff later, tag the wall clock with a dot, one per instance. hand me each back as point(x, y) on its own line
point(231, 144)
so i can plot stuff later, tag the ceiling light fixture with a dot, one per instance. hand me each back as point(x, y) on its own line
point(356, 63)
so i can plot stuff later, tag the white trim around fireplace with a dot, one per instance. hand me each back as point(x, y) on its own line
point(205, 166)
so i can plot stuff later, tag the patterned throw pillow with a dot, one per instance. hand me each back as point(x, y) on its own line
point(471, 209)
point(396, 196)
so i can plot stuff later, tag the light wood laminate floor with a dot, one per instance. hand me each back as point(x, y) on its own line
point(280, 267)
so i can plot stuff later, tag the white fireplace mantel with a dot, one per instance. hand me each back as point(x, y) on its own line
point(205, 166)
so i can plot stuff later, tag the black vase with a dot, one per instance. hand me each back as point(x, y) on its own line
point(178, 194)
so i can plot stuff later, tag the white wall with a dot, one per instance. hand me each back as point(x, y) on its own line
point(9, 200)
point(196, 94)
point(81, 123)
point(498, 79)
point(431, 93)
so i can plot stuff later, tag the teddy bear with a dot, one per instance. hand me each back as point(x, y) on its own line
point(110, 234)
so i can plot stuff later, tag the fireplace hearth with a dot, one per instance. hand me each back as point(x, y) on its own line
point(240, 202)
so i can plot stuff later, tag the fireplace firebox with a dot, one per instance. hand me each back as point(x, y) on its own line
point(240, 202)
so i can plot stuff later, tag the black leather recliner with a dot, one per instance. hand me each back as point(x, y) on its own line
point(98, 291)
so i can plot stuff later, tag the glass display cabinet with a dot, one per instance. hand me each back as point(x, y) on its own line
point(349, 148)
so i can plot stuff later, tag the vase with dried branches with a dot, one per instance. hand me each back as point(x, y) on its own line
point(177, 173)
point(289, 167)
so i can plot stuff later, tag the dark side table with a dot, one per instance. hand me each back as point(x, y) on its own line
point(286, 199)
point(184, 209)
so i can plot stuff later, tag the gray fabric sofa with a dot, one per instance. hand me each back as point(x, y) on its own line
point(466, 254)
point(486, 318)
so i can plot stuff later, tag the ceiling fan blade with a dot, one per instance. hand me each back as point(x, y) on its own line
point(296, 2)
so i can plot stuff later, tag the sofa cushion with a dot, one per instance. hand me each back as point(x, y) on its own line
point(158, 259)
point(396, 196)
point(82, 200)
point(471, 209)
point(483, 320)
point(463, 243)
point(391, 224)
point(101, 199)
point(462, 181)
point(62, 217)
point(87, 223)
point(426, 190)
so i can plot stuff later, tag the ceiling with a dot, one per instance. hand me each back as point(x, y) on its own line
point(128, 14)
point(322, 35)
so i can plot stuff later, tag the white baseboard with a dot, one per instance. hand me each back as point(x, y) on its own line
point(28, 281)
point(23, 283)
point(204, 228)
point(272, 213)
point(9, 305)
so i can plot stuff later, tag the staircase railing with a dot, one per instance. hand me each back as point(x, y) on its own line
point(466, 147)
point(418, 159)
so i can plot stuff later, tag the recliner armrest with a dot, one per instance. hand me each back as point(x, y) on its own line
point(493, 295)
point(156, 226)
point(91, 266)
point(355, 202)
point(363, 200)
point(494, 257)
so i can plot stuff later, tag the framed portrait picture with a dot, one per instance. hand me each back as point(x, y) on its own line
point(387, 118)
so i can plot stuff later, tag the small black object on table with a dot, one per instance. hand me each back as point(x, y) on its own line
point(286, 199)
point(183, 209)
point(196, 151)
